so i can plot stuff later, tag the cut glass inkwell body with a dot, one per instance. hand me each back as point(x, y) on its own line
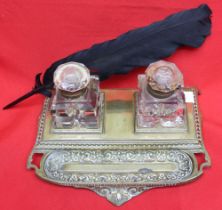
point(161, 101)
point(120, 142)
point(77, 99)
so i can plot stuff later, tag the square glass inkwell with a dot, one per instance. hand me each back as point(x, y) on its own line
point(120, 142)
point(160, 101)
point(77, 104)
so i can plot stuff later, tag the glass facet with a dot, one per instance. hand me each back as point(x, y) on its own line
point(168, 112)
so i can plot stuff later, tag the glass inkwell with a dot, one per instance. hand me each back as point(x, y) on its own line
point(160, 100)
point(77, 102)
point(119, 142)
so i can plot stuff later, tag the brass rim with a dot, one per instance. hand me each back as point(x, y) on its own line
point(159, 94)
point(76, 94)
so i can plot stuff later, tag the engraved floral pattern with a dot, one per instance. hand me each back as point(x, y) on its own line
point(120, 195)
point(117, 187)
point(55, 160)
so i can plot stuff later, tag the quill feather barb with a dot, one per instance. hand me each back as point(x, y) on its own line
point(138, 47)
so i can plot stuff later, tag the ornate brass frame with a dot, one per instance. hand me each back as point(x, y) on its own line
point(120, 161)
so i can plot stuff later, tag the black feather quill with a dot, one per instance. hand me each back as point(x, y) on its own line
point(135, 48)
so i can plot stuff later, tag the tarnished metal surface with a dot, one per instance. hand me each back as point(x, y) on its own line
point(120, 161)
